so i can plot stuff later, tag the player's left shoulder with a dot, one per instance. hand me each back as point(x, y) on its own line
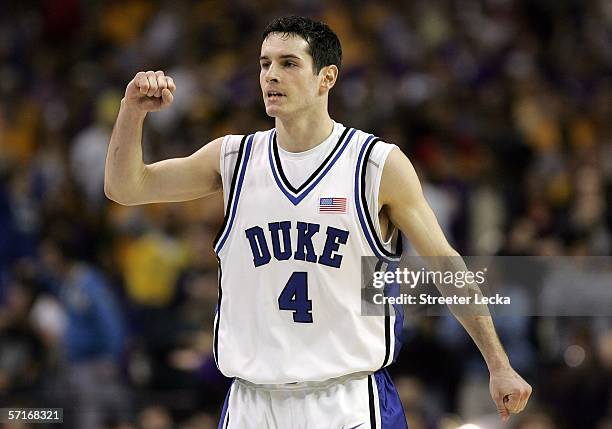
point(399, 180)
point(378, 149)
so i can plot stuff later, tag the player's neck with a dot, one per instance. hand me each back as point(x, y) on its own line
point(303, 133)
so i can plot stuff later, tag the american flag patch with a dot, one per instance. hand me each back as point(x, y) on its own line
point(332, 205)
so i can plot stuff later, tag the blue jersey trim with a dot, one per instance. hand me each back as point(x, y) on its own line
point(217, 317)
point(383, 254)
point(393, 290)
point(296, 199)
point(234, 203)
point(361, 207)
point(398, 328)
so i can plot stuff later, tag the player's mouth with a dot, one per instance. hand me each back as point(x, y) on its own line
point(274, 95)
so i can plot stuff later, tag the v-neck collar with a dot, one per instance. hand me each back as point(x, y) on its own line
point(296, 195)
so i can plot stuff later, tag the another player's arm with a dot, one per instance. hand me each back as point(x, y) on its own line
point(402, 198)
point(127, 179)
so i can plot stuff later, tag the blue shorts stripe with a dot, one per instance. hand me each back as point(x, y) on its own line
point(391, 411)
point(223, 421)
point(371, 403)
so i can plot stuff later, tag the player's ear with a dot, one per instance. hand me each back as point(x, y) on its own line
point(329, 75)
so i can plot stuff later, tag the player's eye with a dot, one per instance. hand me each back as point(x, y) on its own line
point(265, 65)
point(290, 64)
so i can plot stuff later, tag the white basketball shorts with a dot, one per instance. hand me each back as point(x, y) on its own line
point(356, 401)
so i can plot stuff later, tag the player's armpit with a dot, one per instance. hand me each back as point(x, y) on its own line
point(402, 195)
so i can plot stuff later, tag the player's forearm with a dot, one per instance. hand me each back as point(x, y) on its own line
point(483, 333)
point(475, 316)
point(125, 168)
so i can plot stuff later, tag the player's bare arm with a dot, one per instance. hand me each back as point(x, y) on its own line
point(127, 179)
point(409, 211)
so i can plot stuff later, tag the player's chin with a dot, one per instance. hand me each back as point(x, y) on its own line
point(273, 111)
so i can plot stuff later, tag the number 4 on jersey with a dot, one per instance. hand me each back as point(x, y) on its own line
point(294, 297)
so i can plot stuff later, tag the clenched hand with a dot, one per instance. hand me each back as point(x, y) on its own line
point(150, 91)
point(509, 392)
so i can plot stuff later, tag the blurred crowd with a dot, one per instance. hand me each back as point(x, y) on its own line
point(503, 106)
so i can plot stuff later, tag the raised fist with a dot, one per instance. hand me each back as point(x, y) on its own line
point(150, 91)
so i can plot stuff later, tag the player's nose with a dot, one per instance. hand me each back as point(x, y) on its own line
point(271, 73)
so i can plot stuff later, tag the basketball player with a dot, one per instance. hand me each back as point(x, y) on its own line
point(304, 202)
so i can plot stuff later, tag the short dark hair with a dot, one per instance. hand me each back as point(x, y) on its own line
point(324, 45)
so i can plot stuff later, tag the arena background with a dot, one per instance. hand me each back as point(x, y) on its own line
point(504, 107)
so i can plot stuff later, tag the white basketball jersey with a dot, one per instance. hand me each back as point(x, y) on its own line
point(289, 306)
